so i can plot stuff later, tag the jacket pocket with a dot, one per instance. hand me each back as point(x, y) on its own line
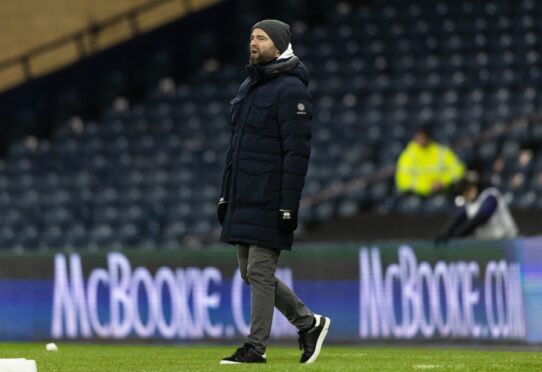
point(253, 182)
point(259, 112)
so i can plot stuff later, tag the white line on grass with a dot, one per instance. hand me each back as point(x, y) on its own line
point(424, 366)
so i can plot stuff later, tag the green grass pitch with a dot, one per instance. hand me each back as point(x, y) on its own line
point(78, 357)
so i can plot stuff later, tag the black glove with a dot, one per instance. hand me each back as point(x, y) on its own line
point(221, 210)
point(287, 221)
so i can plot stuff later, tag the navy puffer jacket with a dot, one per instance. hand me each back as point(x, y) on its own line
point(268, 155)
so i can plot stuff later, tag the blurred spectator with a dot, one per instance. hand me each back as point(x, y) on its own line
point(483, 215)
point(426, 167)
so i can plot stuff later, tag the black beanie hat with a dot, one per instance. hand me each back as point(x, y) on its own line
point(278, 31)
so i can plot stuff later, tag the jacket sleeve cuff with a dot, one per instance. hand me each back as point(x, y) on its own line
point(289, 204)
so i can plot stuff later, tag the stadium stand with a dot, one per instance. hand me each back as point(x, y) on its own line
point(60, 32)
point(146, 174)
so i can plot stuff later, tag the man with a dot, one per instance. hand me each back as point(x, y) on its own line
point(264, 174)
point(484, 215)
point(426, 167)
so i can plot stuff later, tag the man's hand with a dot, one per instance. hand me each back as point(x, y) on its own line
point(287, 221)
point(221, 210)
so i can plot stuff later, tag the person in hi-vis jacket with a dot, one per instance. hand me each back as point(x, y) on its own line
point(426, 167)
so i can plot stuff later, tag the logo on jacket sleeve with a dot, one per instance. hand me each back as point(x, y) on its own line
point(301, 109)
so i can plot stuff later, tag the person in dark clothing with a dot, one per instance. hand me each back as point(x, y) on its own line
point(483, 215)
point(264, 173)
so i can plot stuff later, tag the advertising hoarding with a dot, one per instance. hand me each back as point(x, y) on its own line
point(402, 290)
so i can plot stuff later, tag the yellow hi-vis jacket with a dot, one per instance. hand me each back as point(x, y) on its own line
point(418, 168)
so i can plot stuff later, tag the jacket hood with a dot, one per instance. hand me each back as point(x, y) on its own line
point(301, 72)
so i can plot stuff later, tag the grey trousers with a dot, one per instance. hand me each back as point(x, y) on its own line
point(257, 266)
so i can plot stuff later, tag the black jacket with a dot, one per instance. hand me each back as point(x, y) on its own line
point(268, 155)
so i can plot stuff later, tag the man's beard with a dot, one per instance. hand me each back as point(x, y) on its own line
point(261, 57)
